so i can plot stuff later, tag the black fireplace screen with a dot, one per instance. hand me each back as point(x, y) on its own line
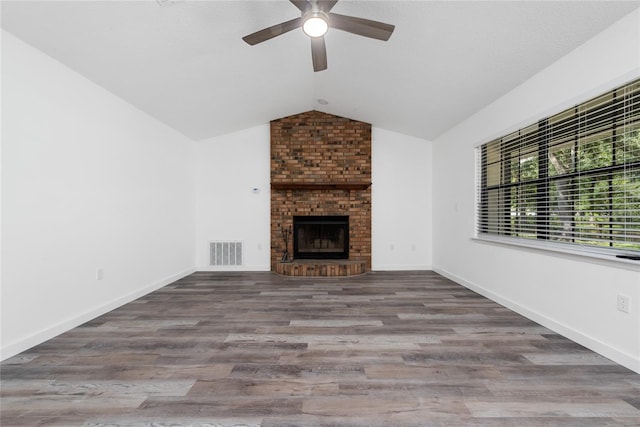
point(321, 237)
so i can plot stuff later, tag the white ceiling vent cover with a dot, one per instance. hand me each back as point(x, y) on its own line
point(225, 253)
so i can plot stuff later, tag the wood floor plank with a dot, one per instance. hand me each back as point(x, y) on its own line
point(258, 349)
point(335, 323)
point(585, 409)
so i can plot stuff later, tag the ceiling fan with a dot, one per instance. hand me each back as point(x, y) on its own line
point(316, 18)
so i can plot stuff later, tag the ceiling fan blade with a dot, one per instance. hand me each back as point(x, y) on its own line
point(303, 5)
point(361, 26)
point(273, 31)
point(326, 5)
point(318, 53)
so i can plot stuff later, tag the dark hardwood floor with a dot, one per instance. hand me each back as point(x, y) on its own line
point(258, 349)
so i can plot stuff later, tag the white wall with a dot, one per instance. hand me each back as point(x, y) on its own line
point(401, 201)
point(228, 168)
point(575, 296)
point(88, 182)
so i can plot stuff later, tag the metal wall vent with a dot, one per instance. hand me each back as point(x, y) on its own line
point(225, 253)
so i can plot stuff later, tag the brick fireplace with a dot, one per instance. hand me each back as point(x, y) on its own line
point(321, 167)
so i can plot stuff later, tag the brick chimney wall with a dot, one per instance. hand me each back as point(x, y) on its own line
point(317, 148)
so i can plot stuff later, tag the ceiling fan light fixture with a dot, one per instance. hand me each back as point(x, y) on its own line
point(315, 24)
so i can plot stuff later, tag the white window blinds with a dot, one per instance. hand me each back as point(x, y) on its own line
point(570, 178)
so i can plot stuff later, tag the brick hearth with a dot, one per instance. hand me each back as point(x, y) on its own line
point(328, 268)
point(321, 165)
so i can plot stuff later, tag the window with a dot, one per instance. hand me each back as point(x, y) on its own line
point(572, 178)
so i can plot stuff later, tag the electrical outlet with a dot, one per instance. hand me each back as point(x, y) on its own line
point(623, 303)
point(99, 274)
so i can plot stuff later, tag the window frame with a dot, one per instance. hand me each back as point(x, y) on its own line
point(503, 191)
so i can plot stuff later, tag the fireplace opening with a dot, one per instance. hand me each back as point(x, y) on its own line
point(321, 237)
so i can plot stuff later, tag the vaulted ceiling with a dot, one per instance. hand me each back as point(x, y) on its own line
point(184, 62)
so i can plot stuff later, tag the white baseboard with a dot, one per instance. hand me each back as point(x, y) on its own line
point(234, 268)
point(401, 267)
point(618, 356)
point(26, 343)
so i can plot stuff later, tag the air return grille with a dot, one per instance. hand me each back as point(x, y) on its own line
point(225, 253)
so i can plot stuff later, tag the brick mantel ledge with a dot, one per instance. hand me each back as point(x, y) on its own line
point(320, 185)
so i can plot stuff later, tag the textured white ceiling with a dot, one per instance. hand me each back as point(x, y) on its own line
point(184, 62)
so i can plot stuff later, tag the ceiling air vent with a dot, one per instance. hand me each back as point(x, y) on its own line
point(225, 253)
